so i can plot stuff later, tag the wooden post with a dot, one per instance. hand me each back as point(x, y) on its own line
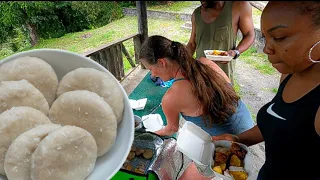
point(95, 57)
point(103, 59)
point(120, 60)
point(113, 50)
point(126, 53)
point(136, 46)
point(110, 61)
point(142, 22)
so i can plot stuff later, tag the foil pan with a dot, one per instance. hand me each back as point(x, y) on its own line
point(144, 141)
point(169, 162)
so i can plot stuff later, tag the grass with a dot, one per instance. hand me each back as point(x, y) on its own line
point(178, 6)
point(256, 14)
point(114, 31)
point(274, 90)
point(236, 87)
point(258, 61)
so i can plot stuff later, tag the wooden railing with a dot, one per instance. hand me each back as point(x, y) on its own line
point(110, 55)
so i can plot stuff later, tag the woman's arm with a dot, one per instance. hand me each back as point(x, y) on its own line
point(250, 137)
point(170, 107)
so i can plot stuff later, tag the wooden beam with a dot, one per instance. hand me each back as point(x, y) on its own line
point(142, 22)
point(109, 45)
point(137, 46)
point(126, 53)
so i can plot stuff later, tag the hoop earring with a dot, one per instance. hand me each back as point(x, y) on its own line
point(311, 51)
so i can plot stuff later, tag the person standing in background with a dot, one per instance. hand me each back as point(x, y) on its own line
point(215, 25)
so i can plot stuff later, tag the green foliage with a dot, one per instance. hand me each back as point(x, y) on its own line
point(52, 19)
point(129, 4)
point(98, 13)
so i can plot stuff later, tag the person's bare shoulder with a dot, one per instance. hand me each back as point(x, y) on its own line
point(174, 97)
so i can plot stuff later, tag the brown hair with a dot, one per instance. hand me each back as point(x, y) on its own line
point(215, 94)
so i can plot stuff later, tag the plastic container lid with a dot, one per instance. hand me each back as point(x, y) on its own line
point(195, 143)
point(152, 122)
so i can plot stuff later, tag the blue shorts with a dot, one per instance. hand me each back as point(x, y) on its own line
point(239, 122)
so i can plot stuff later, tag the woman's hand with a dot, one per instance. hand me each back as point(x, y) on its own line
point(229, 137)
point(250, 137)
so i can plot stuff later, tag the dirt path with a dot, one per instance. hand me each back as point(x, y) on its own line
point(256, 90)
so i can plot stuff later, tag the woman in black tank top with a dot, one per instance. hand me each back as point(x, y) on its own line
point(290, 124)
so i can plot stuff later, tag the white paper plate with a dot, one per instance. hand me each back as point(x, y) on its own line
point(63, 62)
point(215, 57)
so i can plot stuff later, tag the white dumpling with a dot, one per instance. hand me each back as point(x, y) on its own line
point(95, 81)
point(68, 153)
point(89, 111)
point(36, 71)
point(14, 122)
point(17, 161)
point(21, 93)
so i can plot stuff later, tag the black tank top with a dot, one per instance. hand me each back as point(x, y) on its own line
point(292, 145)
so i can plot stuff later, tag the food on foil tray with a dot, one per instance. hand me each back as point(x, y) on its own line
point(147, 154)
point(139, 151)
point(229, 161)
point(138, 159)
point(127, 166)
point(218, 53)
point(131, 156)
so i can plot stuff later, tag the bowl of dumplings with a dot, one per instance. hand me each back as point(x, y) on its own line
point(62, 116)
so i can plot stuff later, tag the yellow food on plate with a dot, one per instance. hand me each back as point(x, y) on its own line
point(235, 161)
point(223, 166)
point(218, 169)
point(239, 175)
point(218, 53)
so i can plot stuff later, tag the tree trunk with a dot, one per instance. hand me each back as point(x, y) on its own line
point(33, 34)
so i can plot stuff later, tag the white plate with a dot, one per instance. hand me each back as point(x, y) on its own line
point(63, 62)
point(215, 57)
point(152, 122)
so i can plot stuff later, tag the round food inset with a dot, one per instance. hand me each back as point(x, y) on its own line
point(89, 111)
